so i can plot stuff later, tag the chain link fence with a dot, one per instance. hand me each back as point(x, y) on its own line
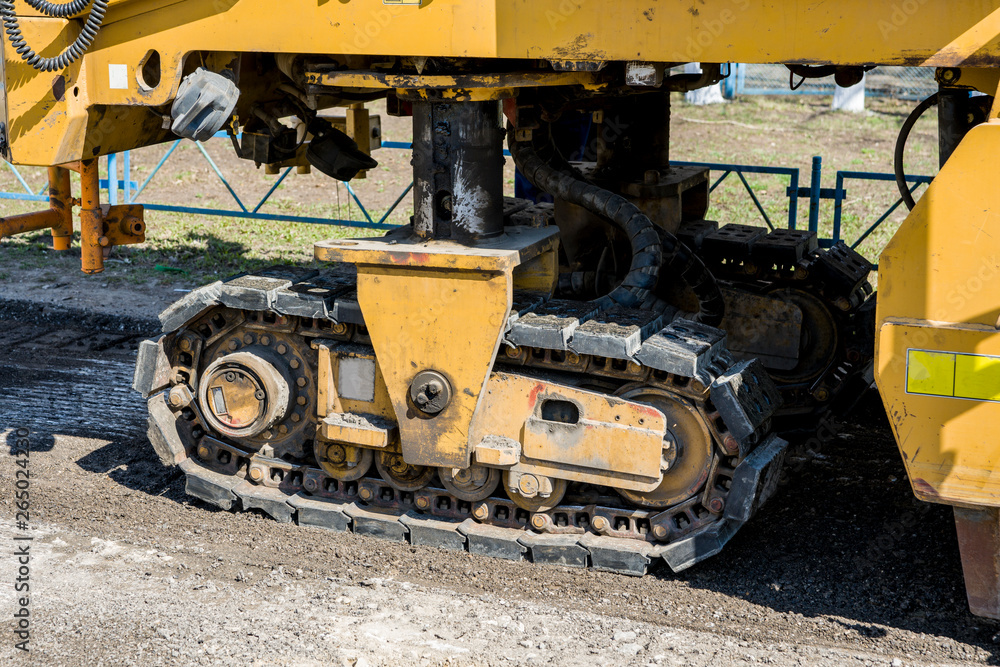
point(903, 83)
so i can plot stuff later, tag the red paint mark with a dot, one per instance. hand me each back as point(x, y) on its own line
point(533, 394)
point(647, 410)
point(923, 488)
point(410, 258)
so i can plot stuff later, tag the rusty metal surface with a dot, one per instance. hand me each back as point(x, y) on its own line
point(766, 328)
point(979, 543)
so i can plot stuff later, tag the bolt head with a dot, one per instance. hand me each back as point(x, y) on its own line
point(301, 382)
point(175, 398)
point(282, 348)
point(203, 452)
point(717, 505)
point(294, 363)
point(659, 531)
point(423, 503)
point(365, 493)
point(481, 512)
point(311, 484)
point(600, 523)
point(256, 474)
point(539, 521)
point(528, 485)
point(233, 344)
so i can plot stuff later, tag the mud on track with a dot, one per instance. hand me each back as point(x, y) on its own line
point(843, 567)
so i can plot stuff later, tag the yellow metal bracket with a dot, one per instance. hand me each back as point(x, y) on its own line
point(437, 306)
point(596, 439)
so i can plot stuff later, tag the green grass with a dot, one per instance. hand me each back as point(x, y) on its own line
point(201, 249)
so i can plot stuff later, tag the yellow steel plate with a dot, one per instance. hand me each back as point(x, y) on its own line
point(950, 375)
point(941, 389)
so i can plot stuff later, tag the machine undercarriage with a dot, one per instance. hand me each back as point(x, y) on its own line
point(598, 380)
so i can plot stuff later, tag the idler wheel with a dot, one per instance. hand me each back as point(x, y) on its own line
point(344, 462)
point(687, 449)
point(401, 475)
point(244, 393)
point(473, 484)
point(534, 493)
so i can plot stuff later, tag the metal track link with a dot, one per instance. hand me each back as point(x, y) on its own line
point(590, 530)
point(634, 557)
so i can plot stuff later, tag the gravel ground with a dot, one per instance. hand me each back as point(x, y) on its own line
point(844, 567)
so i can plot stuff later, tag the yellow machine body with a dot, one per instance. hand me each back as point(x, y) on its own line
point(938, 342)
point(103, 104)
point(938, 332)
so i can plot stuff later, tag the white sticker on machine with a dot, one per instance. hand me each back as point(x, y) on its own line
point(118, 77)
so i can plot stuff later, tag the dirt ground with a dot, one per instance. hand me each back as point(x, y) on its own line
point(844, 567)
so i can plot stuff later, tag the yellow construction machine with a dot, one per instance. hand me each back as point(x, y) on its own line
point(598, 381)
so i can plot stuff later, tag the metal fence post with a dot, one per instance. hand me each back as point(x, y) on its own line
point(729, 83)
point(814, 193)
point(113, 178)
point(127, 171)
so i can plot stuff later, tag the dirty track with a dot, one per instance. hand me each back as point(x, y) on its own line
point(844, 566)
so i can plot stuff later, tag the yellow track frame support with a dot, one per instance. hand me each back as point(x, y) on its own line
point(938, 351)
point(443, 307)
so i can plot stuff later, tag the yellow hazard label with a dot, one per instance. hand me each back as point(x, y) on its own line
point(953, 375)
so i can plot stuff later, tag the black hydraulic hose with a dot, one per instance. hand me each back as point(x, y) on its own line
point(897, 158)
point(71, 53)
point(652, 248)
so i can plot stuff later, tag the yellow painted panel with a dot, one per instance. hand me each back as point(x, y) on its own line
point(948, 445)
point(977, 376)
point(430, 319)
point(930, 373)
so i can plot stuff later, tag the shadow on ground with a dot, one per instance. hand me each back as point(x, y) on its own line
point(845, 538)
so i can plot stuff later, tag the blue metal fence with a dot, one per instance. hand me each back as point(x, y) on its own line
point(122, 189)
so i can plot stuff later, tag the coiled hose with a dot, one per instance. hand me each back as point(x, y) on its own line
point(71, 53)
point(653, 249)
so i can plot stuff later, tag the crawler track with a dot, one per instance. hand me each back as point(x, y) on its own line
point(601, 351)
